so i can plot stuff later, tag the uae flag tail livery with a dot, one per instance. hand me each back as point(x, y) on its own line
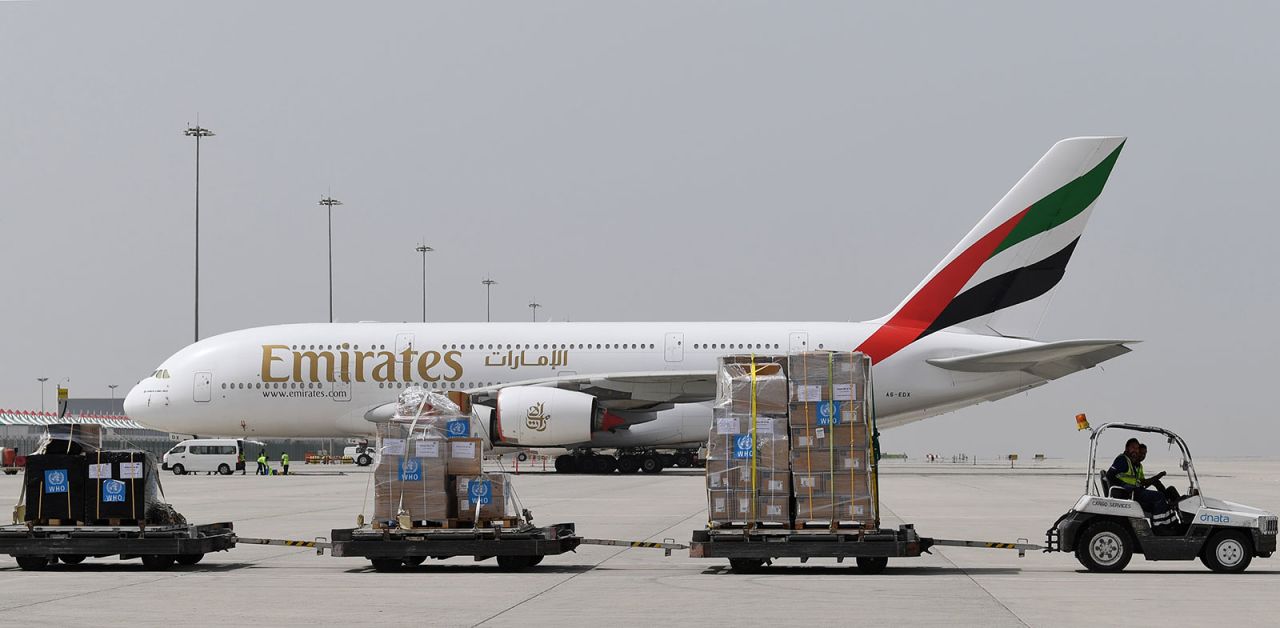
point(998, 280)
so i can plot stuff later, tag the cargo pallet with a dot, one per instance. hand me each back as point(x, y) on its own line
point(751, 549)
point(37, 547)
point(515, 548)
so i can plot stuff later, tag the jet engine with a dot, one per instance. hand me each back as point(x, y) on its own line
point(536, 416)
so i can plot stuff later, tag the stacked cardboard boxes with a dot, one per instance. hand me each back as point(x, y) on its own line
point(831, 458)
point(748, 453)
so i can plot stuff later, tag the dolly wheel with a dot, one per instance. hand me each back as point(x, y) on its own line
point(872, 565)
point(32, 563)
point(187, 560)
point(746, 565)
point(72, 559)
point(1228, 551)
point(414, 561)
point(1105, 546)
point(156, 562)
point(386, 565)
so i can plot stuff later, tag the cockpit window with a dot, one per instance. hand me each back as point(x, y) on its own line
point(161, 374)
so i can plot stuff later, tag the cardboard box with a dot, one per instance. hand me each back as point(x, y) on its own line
point(488, 491)
point(466, 456)
point(820, 413)
point(743, 507)
point(738, 377)
point(844, 484)
point(725, 475)
point(417, 485)
point(830, 507)
point(823, 459)
point(851, 436)
point(826, 376)
point(770, 454)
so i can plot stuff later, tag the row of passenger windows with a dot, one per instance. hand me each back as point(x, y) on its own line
point(501, 346)
point(316, 385)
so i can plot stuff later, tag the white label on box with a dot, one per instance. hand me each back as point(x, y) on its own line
point(852, 463)
point(819, 433)
point(744, 504)
point(808, 481)
point(859, 509)
point(764, 425)
point(842, 392)
point(846, 416)
point(462, 450)
point(727, 425)
point(811, 392)
point(427, 449)
point(804, 441)
point(773, 510)
point(100, 471)
point(718, 504)
point(393, 446)
point(130, 470)
point(714, 480)
point(775, 486)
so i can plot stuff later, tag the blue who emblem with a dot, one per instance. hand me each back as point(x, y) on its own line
point(460, 428)
point(410, 470)
point(55, 481)
point(480, 492)
point(113, 491)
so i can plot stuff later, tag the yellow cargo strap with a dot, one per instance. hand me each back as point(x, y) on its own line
point(755, 442)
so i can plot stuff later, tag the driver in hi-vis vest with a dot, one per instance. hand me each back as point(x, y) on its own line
point(1126, 473)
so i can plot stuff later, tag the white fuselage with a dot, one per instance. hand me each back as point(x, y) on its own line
point(287, 380)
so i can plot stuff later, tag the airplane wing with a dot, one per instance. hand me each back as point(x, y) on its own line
point(632, 391)
point(1050, 360)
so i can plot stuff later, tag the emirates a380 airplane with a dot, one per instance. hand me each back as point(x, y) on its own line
point(961, 337)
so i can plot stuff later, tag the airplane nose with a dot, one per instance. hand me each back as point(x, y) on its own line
point(135, 404)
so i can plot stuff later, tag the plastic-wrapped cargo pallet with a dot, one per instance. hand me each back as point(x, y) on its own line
point(748, 449)
point(832, 461)
point(426, 454)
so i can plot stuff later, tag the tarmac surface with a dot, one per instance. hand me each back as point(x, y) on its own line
point(275, 586)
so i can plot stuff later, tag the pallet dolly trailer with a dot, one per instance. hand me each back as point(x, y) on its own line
point(159, 547)
point(750, 550)
point(515, 548)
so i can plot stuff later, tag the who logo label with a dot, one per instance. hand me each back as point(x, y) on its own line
point(460, 428)
point(410, 470)
point(55, 481)
point(480, 492)
point(828, 412)
point(113, 491)
point(742, 446)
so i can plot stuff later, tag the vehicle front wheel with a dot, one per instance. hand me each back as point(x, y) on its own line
point(179, 469)
point(364, 460)
point(1228, 551)
point(224, 469)
point(1105, 546)
point(872, 565)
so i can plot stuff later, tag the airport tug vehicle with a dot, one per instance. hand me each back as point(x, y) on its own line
point(1105, 529)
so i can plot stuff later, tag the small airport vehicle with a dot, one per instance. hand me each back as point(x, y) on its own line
point(159, 547)
point(514, 548)
point(362, 454)
point(211, 455)
point(1105, 529)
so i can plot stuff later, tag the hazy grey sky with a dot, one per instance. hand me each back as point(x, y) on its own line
point(641, 161)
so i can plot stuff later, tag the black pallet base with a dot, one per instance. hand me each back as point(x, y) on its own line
point(385, 547)
point(50, 541)
point(770, 544)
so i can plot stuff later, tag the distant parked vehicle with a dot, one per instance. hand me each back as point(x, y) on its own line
point(221, 455)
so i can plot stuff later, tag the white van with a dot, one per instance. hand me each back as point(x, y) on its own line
point(217, 455)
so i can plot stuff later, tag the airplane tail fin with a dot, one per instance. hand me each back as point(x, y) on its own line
point(999, 279)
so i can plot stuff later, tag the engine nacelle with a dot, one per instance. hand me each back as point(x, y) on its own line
point(535, 416)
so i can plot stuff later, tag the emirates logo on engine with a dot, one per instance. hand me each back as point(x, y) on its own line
point(536, 418)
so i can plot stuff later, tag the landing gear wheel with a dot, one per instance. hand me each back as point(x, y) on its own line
point(746, 565)
point(1105, 546)
point(651, 463)
point(32, 563)
point(668, 460)
point(1227, 552)
point(872, 565)
point(187, 560)
point(610, 464)
point(72, 559)
point(684, 460)
point(386, 565)
point(594, 464)
point(364, 460)
point(566, 464)
point(628, 464)
point(156, 562)
point(514, 563)
point(414, 561)
point(179, 469)
point(224, 469)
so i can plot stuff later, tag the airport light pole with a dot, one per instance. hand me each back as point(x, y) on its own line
point(488, 283)
point(534, 305)
point(113, 396)
point(424, 249)
point(42, 380)
point(197, 132)
point(328, 202)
